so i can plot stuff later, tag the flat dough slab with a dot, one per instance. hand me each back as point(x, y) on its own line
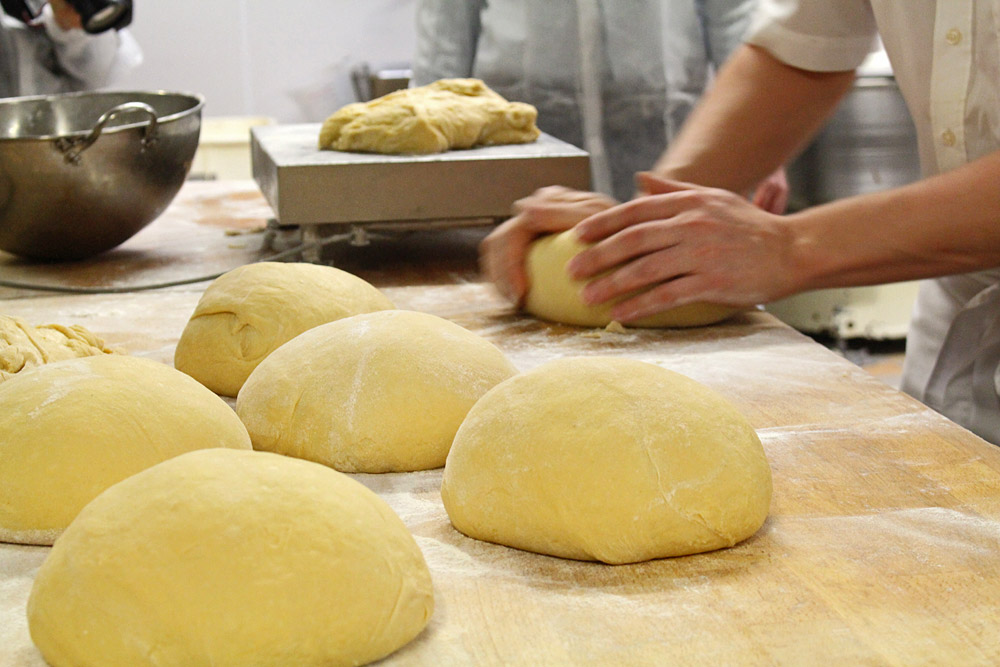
point(445, 115)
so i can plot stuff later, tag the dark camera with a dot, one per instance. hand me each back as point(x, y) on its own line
point(96, 15)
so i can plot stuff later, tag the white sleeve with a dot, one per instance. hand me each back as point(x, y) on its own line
point(91, 61)
point(816, 35)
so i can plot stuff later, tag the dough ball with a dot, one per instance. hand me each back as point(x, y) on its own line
point(554, 296)
point(249, 312)
point(23, 346)
point(70, 429)
point(383, 392)
point(447, 114)
point(608, 459)
point(225, 558)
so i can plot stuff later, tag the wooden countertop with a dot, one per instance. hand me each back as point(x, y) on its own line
point(883, 542)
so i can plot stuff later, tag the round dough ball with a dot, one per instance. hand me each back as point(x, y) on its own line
point(383, 392)
point(554, 296)
point(70, 429)
point(224, 558)
point(246, 314)
point(608, 459)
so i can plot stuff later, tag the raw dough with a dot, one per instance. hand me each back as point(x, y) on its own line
point(608, 459)
point(70, 429)
point(383, 392)
point(234, 558)
point(447, 114)
point(23, 346)
point(249, 312)
point(554, 296)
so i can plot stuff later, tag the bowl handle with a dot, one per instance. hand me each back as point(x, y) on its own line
point(72, 147)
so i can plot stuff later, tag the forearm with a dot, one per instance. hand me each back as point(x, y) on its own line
point(949, 223)
point(757, 115)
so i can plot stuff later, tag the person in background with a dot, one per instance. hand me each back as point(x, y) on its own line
point(691, 239)
point(615, 78)
point(53, 54)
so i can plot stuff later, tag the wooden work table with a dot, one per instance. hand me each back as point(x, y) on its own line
point(883, 542)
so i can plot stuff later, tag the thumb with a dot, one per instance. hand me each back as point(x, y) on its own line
point(651, 184)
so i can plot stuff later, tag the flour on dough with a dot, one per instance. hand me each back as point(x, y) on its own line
point(607, 459)
point(70, 429)
point(249, 312)
point(444, 115)
point(23, 345)
point(228, 558)
point(382, 392)
point(554, 296)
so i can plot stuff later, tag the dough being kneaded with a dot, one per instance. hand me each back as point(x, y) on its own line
point(23, 345)
point(70, 429)
point(249, 312)
point(553, 295)
point(444, 115)
point(229, 559)
point(608, 459)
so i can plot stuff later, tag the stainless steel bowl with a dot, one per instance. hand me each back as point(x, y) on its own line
point(80, 173)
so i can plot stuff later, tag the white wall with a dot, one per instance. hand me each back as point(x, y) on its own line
point(288, 59)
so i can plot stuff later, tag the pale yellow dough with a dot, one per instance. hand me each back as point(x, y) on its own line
point(249, 312)
point(383, 392)
point(554, 296)
point(223, 558)
point(70, 429)
point(447, 114)
point(23, 345)
point(607, 459)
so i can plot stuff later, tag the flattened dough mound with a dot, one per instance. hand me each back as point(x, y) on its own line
point(447, 114)
point(23, 346)
point(383, 392)
point(249, 312)
point(230, 558)
point(70, 429)
point(607, 459)
point(554, 296)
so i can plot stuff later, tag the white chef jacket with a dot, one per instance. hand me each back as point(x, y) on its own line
point(43, 58)
point(946, 59)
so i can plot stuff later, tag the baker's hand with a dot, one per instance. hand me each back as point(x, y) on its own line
point(685, 244)
point(66, 17)
point(547, 211)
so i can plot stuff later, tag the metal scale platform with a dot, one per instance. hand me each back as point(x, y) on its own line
point(328, 194)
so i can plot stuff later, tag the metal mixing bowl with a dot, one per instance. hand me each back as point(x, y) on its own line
point(81, 173)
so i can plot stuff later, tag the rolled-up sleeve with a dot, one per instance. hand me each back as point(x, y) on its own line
point(815, 35)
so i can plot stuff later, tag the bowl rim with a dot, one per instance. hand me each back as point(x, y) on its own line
point(10, 101)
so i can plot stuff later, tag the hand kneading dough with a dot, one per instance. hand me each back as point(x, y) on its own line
point(249, 312)
point(554, 296)
point(231, 558)
point(383, 392)
point(447, 114)
point(23, 346)
point(608, 459)
point(70, 429)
